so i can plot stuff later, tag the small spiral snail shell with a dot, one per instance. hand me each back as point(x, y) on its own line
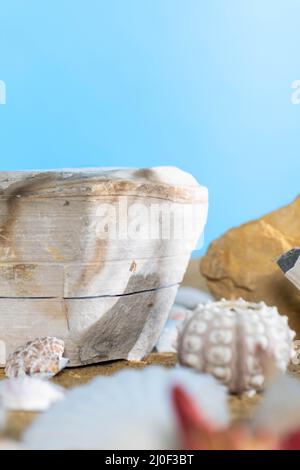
point(222, 338)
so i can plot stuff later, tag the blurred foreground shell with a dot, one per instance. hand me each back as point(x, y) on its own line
point(41, 358)
point(223, 338)
point(29, 394)
point(130, 410)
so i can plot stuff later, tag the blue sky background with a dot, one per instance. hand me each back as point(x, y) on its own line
point(204, 85)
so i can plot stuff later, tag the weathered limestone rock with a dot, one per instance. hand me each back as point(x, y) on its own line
point(90, 257)
point(242, 263)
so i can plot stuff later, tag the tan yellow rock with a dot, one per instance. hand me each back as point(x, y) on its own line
point(242, 263)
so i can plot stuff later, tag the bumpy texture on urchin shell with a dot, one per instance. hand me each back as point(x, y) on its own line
point(223, 338)
point(41, 357)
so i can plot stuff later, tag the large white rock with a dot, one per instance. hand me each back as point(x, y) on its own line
point(94, 257)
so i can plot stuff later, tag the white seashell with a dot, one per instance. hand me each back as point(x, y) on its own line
point(29, 394)
point(235, 331)
point(130, 410)
point(189, 297)
point(41, 358)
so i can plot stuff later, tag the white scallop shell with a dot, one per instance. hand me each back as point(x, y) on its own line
point(129, 410)
point(29, 394)
point(41, 358)
point(223, 338)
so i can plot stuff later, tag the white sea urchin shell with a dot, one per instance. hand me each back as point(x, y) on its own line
point(29, 394)
point(222, 338)
point(41, 358)
point(130, 410)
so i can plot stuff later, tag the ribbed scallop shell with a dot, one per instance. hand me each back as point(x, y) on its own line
point(222, 338)
point(131, 409)
point(41, 357)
